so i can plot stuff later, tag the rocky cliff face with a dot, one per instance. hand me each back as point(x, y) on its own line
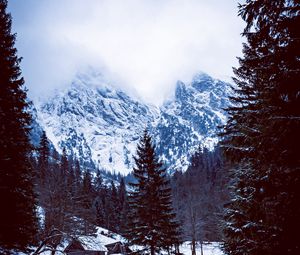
point(191, 119)
point(101, 125)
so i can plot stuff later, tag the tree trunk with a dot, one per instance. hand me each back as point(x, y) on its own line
point(177, 251)
point(168, 250)
point(193, 246)
point(152, 250)
point(201, 247)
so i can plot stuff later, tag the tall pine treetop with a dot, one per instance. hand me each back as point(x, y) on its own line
point(10, 72)
point(18, 222)
point(262, 133)
point(151, 218)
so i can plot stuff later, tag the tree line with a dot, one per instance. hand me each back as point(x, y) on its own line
point(74, 201)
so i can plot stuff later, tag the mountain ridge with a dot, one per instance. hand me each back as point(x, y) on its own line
point(94, 120)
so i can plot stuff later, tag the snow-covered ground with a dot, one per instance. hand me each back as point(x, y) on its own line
point(208, 249)
point(185, 248)
point(105, 237)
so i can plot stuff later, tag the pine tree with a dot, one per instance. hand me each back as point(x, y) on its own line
point(64, 166)
point(123, 205)
point(114, 207)
point(152, 222)
point(98, 181)
point(99, 199)
point(43, 159)
point(43, 168)
point(77, 173)
point(18, 223)
point(85, 210)
point(262, 134)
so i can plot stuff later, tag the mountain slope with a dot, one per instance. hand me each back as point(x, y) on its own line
point(191, 119)
point(93, 120)
point(96, 122)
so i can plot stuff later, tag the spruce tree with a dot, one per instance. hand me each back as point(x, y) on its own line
point(64, 166)
point(85, 210)
point(43, 169)
point(123, 205)
point(43, 159)
point(77, 173)
point(99, 199)
point(151, 219)
point(262, 133)
point(98, 181)
point(18, 223)
point(114, 209)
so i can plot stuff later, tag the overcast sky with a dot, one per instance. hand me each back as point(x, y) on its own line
point(141, 45)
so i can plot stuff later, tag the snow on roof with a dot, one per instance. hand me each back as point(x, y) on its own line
point(97, 242)
point(94, 243)
point(107, 237)
point(91, 243)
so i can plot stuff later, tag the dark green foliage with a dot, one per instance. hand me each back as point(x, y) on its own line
point(84, 208)
point(262, 134)
point(151, 218)
point(77, 174)
point(123, 206)
point(114, 208)
point(44, 153)
point(64, 165)
point(98, 182)
point(99, 203)
point(110, 204)
point(18, 223)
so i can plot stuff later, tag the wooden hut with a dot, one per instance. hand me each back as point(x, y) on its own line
point(118, 248)
point(85, 246)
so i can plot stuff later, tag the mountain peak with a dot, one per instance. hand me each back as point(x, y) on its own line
point(201, 76)
point(180, 90)
point(94, 120)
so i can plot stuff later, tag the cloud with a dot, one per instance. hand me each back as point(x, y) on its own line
point(143, 45)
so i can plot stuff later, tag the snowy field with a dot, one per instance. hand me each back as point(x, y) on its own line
point(104, 237)
point(208, 249)
point(185, 248)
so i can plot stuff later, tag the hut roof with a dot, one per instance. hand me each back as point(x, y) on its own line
point(87, 243)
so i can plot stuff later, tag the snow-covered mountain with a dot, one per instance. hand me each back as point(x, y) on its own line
point(191, 119)
point(94, 120)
